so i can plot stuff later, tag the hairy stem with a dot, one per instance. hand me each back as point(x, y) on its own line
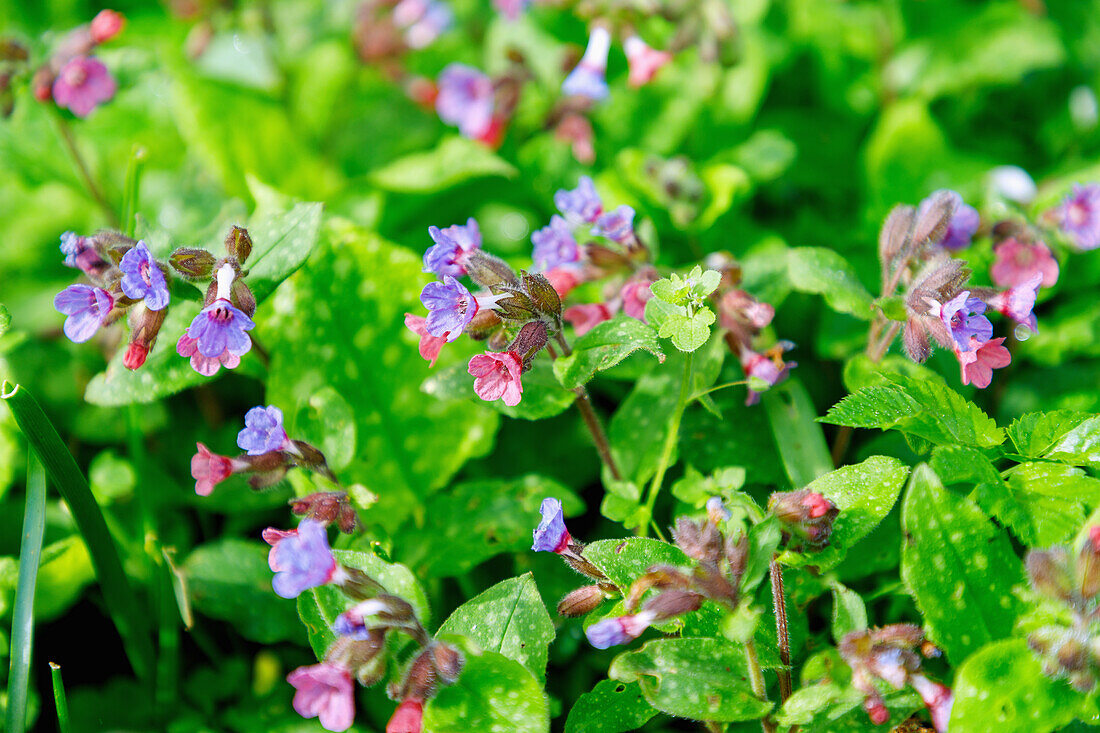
point(756, 681)
point(85, 173)
point(782, 633)
point(670, 439)
point(591, 419)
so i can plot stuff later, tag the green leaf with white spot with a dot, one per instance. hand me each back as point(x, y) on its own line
point(1002, 687)
point(1035, 433)
point(283, 238)
point(624, 561)
point(701, 679)
point(849, 612)
point(959, 567)
point(605, 346)
point(510, 619)
point(826, 273)
point(1080, 446)
point(957, 464)
point(1054, 497)
point(610, 707)
point(492, 693)
point(864, 493)
point(543, 394)
point(450, 163)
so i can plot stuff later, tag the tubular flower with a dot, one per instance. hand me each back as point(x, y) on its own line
point(497, 376)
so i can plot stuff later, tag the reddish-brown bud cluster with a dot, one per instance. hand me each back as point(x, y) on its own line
point(807, 516)
point(328, 507)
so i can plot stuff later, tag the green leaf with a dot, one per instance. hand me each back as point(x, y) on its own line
point(543, 394)
point(925, 409)
point(865, 493)
point(1054, 497)
point(1002, 687)
point(702, 679)
point(453, 161)
point(624, 561)
point(610, 707)
point(510, 619)
point(492, 693)
point(1035, 433)
point(823, 271)
point(956, 464)
point(230, 580)
point(5, 319)
point(958, 566)
point(319, 607)
point(799, 438)
point(283, 238)
point(1080, 446)
point(688, 333)
point(129, 618)
point(497, 516)
point(605, 346)
point(849, 612)
point(22, 623)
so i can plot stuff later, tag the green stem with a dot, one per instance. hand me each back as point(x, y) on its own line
point(756, 681)
point(782, 633)
point(82, 169)
point(22, 626)
point(670, 439)
point(697, 395)
point(591, 419)
point(132, 190)
point(59, 699)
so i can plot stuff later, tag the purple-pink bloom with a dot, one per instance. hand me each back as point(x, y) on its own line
point(1081, 216)
point(82, 85)
point(450, 307)
point(497, 376)
point(209, 469)
point(551, 534)
point(617, 225)
point(324, 691)
point(430, 345)
point(619, 630)
point(219, 328)
point(634, 295)
point(937, 698)
point(644, 61)
point(87, 308)
point(977, 364)
point(422, 20)
point(1016, 263)
point(769, 370)
point(142, 278)
point(466, 100)
point(301, 561)
point(582, 205)
point(452, 246)
point(963, 317)
point(1018, 302)
point(263, 431)
point(207, 366)
point(555, 245)
point(79, 253)
point(352, 622)
point(511, 8)
point(962, 227)
point(587, 316)
point(587, 79)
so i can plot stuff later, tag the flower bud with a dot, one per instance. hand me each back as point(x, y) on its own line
point(604, 257)
point(933, 216)
point(309, 457)
point(484, 323)
point(448, 662)
point(327, 507)
point(144, 326)
point(242, 297)
point(408, 717)
point(581, 601)
point(673, 603)
point(1049, 572)
point(1088, 565)
point(516, 307)
point(106, 25)
point(699, 540)
point(529, 341)
point(658, 576)
point(806, 514)
point(489, 271)
point(421, 678)
point(193, 263)
point(894, 235)
point(238, 244)
point(542, 294)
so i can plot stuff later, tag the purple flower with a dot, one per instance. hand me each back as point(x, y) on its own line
point(466, 100)
point(511, 9)
point(581, 205)
point(324, 691)
point(143, 279)
point(1018, 302)
point(963, 317)
point(352, 622)
point(961, 230)
point(555, 245)
point(263, 432)
point(82, 85)
point(219, 328)
point(769, 367)
point(450, 307)
point(72, 244)
point(86, 307)
point(620, 630)
point(1081, 216)
point(302, 561)
point(587, 79)
point(616, 225)
point(452, 245)
point(79, 253)
point(422, 20)
point(551, 534)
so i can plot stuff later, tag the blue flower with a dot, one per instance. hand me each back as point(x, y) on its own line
point(620, 630)
point(263, 432)
point(142, 278)
point(219, 329)
point(963, 225)
point(963, 317)
point(450, 307)
point(555, 245)
point(87, 308)
point(581, 205)
point(551, 534)
point(447, 255)
point(616, 225)
point(587, 79)
point(301, 560)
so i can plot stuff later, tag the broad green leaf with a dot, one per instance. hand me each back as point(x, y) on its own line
point(827, 707)
point(823, 271)
point(609, 707)
point(1080, 446)
point(230, 580)
point(624, 561)
point(1002, 687)
point(497, 516)
point(638, 428)
point(925, 409)
point(1035, 433)
point(865, 493)
point(283, 237)
point(492, 693)
point(959, 567)
point(688, 333)
point(240, 58)
point(339, 325)
point(849, 612)
point(319, 607)
point(1054, 497)
point(5, 319)
point(510, 619)
point(741, 437)
point(453, 161)
point(860, 371)
point(956, 464)
point(605, 346)
point(799, 438)
point(702, 679)
point(543, 394)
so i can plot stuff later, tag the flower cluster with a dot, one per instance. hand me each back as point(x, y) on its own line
point(73, 78)
point(125, 278)
point(1072, 583)
point(386, 30)
point(888, 654)
point(270, 453)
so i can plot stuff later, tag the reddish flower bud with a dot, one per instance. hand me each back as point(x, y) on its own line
point(581, 601)
point(408, 718)
point(805, 514)
point(106, 25)
point(135, 356)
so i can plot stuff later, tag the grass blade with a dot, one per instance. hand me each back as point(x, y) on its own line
point(61, 703)
point(22, 627)
point(798, 435)
point(129, 618)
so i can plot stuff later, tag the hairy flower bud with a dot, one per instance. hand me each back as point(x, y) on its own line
point(193, 263)
point(894, 235)
point(805, 514)
point(489, 271)
point(673, 603)
point(309, 457)
point(238, 244)
point(483, 325)
point(529, 341)
point(933, 217)
point(448, 661)
point(328, 507)
point(581, 601)
point(1049, 572)
point(144, 326)
point(542, 294)
point(699, 540)
point(1088, 565)
point(243, 298)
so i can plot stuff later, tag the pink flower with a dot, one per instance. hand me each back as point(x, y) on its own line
point(324, 691)
point(1018, 302)
point(272, 536)
point(586, 317)
point(818, 505)
point(635, 295)
point(644, 61)
point(768, 368)
point(937, 698)
point(136, 353)
point(82, 85)
point(207, 366)
point(511, 9)
point(408, 718)
point(430, 346)
point(562, 279)
point(978, 364)
point(209, 469)
point(1094, 537)
point(738, 308)
point(497, 376)
point(1018, 261)
point(106, 25)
